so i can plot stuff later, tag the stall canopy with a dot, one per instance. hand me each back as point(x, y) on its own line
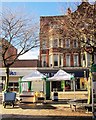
point(61, 75)
point(35, 75)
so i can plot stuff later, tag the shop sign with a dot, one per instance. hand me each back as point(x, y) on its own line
point(93, 68)
point(12, 73)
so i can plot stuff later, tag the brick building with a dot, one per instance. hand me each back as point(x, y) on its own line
point(18, 69)
point(61, 48)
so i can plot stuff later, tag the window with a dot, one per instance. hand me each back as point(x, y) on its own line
point(60, 43)
point(68, 60)
point(50, 61)
point(61, 60)
point(75, 43)
point(76, 60)
point(55, 60)
point(44, 61)
point(44, 44)
point(88, 60)
point(55, 43)
point(50, 43)
point(67, 43)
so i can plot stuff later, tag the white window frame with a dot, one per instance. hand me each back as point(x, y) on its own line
point(68, 61)
point(55, 43)
point(76, 61)
point(75, 43)
point(61, 59)
point(67, 43)
point(43, 59)
point(51, 60)
point(55, 60)
point(44, 43)
point(60, 43)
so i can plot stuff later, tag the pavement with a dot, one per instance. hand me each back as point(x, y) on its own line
point(50, 110)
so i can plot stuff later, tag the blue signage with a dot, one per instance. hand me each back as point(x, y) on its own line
point(12, 73)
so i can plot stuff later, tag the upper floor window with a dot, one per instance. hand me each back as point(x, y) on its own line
point(44, 61)
point(67, 60)
point(60, 43)
point(75, 59)
point(50, 61)
point(75, 43)
point(67, 43)
point(55, 57)
point(61, 60)
point(44, 44)
point(88, 59)
point(55, 43)
point(50, 43)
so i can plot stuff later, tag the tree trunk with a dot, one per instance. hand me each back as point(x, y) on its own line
point(7, 78)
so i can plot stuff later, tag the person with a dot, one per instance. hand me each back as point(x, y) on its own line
point(67, 87)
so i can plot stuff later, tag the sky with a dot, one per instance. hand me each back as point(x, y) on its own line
point(39, 8)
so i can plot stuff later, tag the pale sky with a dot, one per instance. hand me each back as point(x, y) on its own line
point(41, 8)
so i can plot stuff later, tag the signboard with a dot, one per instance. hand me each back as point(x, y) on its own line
point(37, 86)
point(93, 68)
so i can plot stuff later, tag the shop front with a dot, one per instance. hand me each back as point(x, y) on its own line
point(65, 88)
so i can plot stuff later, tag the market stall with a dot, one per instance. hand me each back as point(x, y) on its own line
point(32, 87)
point(61, 76)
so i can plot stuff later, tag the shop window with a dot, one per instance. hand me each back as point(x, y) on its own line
point(13, 86)
point(56, 85)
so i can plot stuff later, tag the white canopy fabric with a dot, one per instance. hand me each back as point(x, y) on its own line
point(61, 75)
point(35, 75)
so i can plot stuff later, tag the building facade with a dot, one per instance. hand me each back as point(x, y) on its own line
point(61, 48)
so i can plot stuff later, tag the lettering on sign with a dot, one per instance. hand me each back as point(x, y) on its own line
point(12, 73)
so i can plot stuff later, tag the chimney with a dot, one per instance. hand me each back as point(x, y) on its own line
point(68, 11)
point(84, 0)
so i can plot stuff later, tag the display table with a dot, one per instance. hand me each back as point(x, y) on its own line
point(27, 97)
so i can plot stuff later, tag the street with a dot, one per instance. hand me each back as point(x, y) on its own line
point(30, 111)
point(51, 118)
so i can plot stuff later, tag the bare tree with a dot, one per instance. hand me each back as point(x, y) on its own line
point(81, 24)
point(18, 31)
